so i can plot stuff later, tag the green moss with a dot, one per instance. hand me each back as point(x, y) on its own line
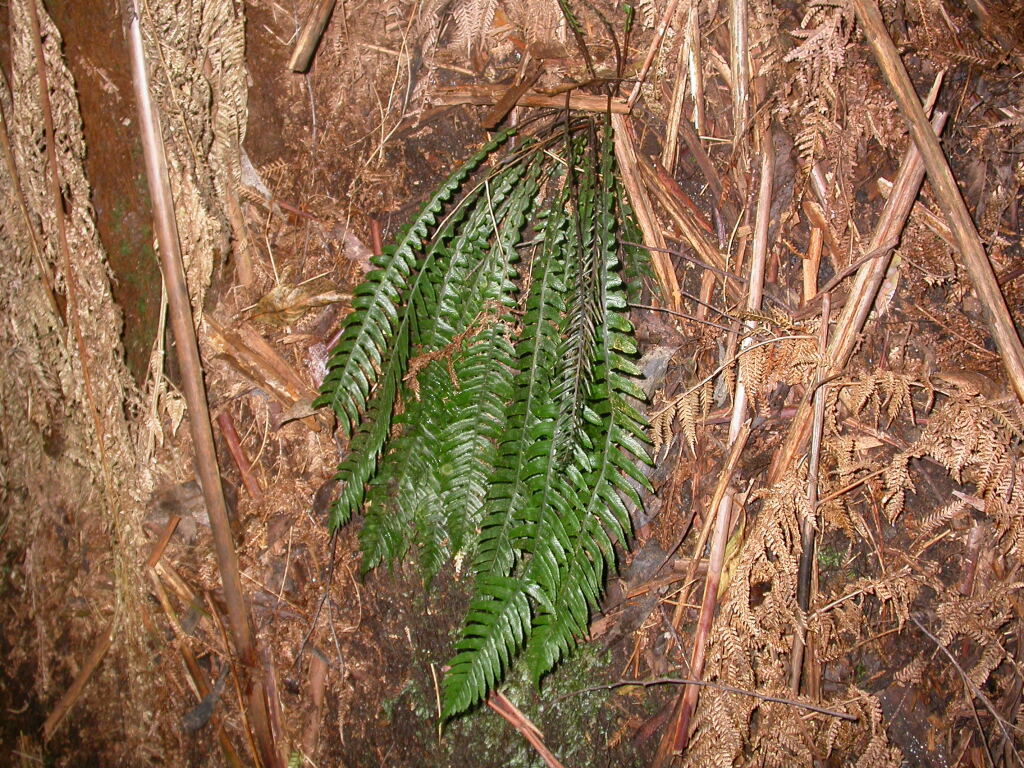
point(829, 557)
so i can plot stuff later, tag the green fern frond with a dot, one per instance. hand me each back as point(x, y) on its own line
point(412, 324)
point(488, 403)
point(563, 533)
point(398, 490)
point(496, 628)
point(469, 444)
point(354, 366)
point(537, 352)
point(414, 476)
point(613, 426)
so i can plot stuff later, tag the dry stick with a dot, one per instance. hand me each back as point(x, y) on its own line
point(675, 116)
point(724, 479)
point(931, 220)
point(808, 529)
point(679, 734)
point(214, 611)
point(672, 186)
point(740, 65)
point(884, 250)
point(626, 156)
point(511, 97)
point(652, 51)
point(862, 295)
point(71, 694)
point(483, 95)
point(693, 234)
point(318, 668)
point(696, 68)
point(700, 156)
point(811, 264)
point(309, 38)
point(521, 723)
point(163, 541)
point(717, 687)
point(194, 389)
point(434, 63)
point(234, 443)
point(948, 194)
point(274, 702)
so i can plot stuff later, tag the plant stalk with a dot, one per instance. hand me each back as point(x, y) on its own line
point(947, 193)
point(194, 389)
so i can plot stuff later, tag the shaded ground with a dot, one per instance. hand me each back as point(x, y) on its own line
point(357, 143)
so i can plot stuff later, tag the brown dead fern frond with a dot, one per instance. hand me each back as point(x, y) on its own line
point(983, 619)
point(750, 645)
point(1009, 519)
point(473, 19)
point(940, 518)
point(974, 440)
point(883, 394)
point(912, 673)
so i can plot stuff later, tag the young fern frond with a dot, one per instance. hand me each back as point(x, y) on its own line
point(355, 362)
point(489, 405)
point(401, 492)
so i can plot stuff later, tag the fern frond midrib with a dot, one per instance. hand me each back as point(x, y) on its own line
point(527, 400)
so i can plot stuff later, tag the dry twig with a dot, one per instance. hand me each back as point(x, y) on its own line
point(309, 37)
point(521, 723)
point(195, 390)
point(718, 687)
point(948, 193)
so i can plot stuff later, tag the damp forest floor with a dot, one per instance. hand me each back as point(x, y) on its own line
point(916, 613)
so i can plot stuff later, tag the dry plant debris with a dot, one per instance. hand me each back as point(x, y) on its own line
point(761, 149)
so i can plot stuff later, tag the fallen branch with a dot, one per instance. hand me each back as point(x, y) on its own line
point(511, 97)
point(194, 389)
point(487, 95)
point(947, 192)
point(717, 687)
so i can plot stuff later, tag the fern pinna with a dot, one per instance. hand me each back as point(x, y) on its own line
point(485, 385)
